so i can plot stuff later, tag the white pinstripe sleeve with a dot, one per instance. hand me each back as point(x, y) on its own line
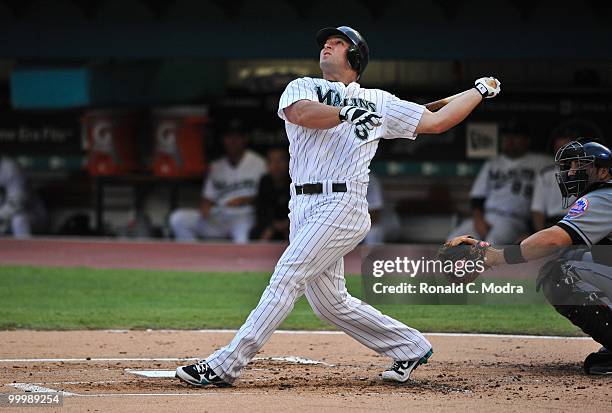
point(298, 89)
point(402, 118)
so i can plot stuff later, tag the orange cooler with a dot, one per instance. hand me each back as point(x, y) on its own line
point(179, 141)
point(110, 139)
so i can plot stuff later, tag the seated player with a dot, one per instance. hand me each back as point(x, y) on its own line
point(272, 201)
point(21, 213)
point(501, 194)
point(226, 208)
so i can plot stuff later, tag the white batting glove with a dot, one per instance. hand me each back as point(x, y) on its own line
point(363, 119)
point(489, 87)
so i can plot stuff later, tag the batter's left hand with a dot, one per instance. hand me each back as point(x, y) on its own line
point(364, 120)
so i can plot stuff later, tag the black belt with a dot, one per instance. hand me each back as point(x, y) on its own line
point(317, 188)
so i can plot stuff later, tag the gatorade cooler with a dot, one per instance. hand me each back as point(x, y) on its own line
point(110, 140)
point(179, 141)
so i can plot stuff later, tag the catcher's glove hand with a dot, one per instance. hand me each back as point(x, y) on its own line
point(463, 259)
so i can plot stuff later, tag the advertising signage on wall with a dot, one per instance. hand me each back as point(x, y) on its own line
point(40, 133)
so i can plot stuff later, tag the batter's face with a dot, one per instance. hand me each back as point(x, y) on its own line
point(333, 55)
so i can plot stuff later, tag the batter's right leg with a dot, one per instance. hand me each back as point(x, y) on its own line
point(331, 301)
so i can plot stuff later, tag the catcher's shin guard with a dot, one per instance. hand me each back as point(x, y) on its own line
point(585, 305)
point(599, 363)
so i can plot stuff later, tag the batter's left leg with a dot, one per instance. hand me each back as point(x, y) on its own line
point(331, 301)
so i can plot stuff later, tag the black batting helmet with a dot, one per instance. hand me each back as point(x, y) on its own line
point(358, 53)
point(573, 161)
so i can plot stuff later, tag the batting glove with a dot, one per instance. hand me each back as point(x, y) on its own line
point(485, 85)
point(363, 119)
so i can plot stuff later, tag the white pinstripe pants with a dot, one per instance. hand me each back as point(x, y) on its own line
point(324, 228)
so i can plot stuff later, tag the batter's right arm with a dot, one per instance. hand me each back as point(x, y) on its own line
point(316, 115)
point(313, 115)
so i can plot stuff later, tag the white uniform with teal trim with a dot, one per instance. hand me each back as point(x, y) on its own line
point(325, 227)
point(506, 184)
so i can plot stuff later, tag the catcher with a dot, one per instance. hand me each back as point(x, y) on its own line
point(578, 283)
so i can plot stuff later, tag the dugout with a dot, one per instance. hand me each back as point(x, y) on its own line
point(66, 58)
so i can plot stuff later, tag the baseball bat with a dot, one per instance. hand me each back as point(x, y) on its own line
point(438, 104)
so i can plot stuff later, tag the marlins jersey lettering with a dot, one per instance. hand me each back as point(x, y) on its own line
point(337, 154)
point(589, 219)
point(226, 182)
point(507, 184)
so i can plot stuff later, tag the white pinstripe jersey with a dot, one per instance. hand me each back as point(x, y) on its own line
point(337, 154)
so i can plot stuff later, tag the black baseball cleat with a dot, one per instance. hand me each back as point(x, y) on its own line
point(599, 363)
point(199, 375)
point(400, 370)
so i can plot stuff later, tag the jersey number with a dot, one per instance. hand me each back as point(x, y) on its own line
point(527, 189)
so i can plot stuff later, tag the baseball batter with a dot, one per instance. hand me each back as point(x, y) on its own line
point(333, 126)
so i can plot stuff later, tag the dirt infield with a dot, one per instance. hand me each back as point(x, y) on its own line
point(467, 372)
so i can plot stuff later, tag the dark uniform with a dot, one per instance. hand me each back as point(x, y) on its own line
point(579, 285)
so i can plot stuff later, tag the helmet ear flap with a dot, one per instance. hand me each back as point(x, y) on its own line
point(353, 57)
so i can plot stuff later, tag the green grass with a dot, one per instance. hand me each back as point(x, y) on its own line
point(78, 298)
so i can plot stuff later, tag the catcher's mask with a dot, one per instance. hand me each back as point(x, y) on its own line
point(575, 164)
point(358, 53)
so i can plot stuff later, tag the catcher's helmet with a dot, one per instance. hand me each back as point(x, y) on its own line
point(358, 53)
point(573, 162)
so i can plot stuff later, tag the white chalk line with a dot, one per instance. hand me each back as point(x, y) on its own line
point(507, 336)
point(289, 359)
point(333, 332)
point(32, 388)
point(60, 383)
point(85, 360)
point(201, 394)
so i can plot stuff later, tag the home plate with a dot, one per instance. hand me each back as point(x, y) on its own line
point(153, 374)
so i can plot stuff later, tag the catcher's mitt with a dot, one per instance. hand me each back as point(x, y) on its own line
point(463, 263)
